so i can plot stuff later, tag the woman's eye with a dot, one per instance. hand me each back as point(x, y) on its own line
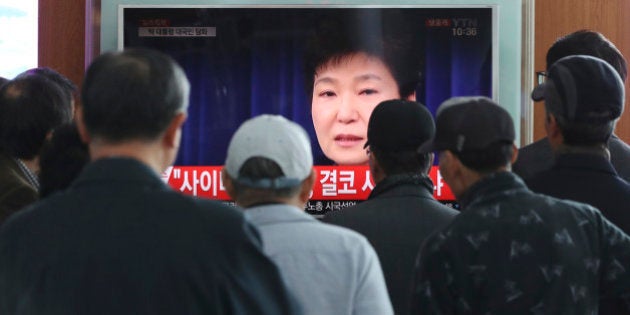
point(327, 94)
point(368, 92)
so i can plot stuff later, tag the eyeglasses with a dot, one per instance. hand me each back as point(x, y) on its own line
point(541, 77)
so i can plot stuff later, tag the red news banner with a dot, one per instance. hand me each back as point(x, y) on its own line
point(336, 187)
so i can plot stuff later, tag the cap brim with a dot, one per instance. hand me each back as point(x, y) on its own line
point(538, 94)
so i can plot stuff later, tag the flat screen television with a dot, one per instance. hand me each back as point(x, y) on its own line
point(247, 59)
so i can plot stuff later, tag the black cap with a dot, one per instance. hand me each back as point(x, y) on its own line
point(471, 123)
point(398, 125)
point(582, 88)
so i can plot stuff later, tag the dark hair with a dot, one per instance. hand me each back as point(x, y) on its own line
point(584, 133)
point(30, 108)
point(260, 168)
point(3, 81)
point(342, 35)
point(61, 160)
point(401, 162)
point(489, 159)
point(133, 94)
point(67, 86)
point(591, 43)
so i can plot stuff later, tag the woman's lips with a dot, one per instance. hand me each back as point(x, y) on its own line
point(348, 140)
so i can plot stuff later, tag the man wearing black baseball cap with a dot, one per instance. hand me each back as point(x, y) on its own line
point(583, 97)
point(401, 212)
point(511, 250)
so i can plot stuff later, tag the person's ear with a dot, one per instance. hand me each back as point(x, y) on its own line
point(227, 184)
point(83, 133)
point(411, 97)
point(554, 134)
point(375, 168)
point(172, 135)
point(514, 153)
point(307, 187)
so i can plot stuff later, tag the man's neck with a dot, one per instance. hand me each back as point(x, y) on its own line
point(600, 150)
point(148, 153)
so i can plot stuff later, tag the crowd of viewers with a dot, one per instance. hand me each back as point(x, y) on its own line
point(89, 227)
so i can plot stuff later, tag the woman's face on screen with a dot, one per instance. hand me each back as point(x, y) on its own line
point(344, 94)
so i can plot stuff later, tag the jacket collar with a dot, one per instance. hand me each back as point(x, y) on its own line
point(268, 214)
point(580, 161)
point(491, 186)
point(404, 184)
point(119, 170)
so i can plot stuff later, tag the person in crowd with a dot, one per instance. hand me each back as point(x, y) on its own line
point(31, 107)
point(119, 241)
point(511, 251)
point(66, 85)
point(331, 270)
point(348, 75)
point(583, 97)
point(538, 156)
point(400, 212)
point(61, 160)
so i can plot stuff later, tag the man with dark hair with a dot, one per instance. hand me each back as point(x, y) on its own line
point(119, 241)
point(61, 160)
point(401, 212)
point(67, 86)
point(511, 251)
point(349, 74)
point(31, 108)
point(331, 270)
point(538, 156)
point(583, 97)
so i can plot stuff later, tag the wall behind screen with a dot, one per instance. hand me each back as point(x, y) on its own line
point(559, 17)
point(62, 43)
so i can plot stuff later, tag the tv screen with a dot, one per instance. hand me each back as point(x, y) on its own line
point(322, 67)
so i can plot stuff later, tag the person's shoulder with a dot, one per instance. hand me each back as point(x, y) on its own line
point(619, 156)
point(342, 236)
point(533, 158)
point(346, 214)
point(215, 211)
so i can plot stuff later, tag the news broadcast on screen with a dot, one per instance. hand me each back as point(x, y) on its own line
point(243, 61)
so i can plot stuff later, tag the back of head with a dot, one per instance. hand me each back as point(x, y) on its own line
point(268, 157)
point(585, 95)
point(133, 94)
point(476, 130)
point(340, 36)
point(67, 86)
point(61, 160)
point(397, 131)
point(590, 43)
point(30, 108)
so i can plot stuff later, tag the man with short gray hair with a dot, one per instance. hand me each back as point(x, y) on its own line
point(119, 241)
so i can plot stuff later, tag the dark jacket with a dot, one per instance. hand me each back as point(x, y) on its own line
point(119, 241)
point(538, 156)
point(512, 251)
point(397, 217)
point(591, 179)
point(15, 190)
